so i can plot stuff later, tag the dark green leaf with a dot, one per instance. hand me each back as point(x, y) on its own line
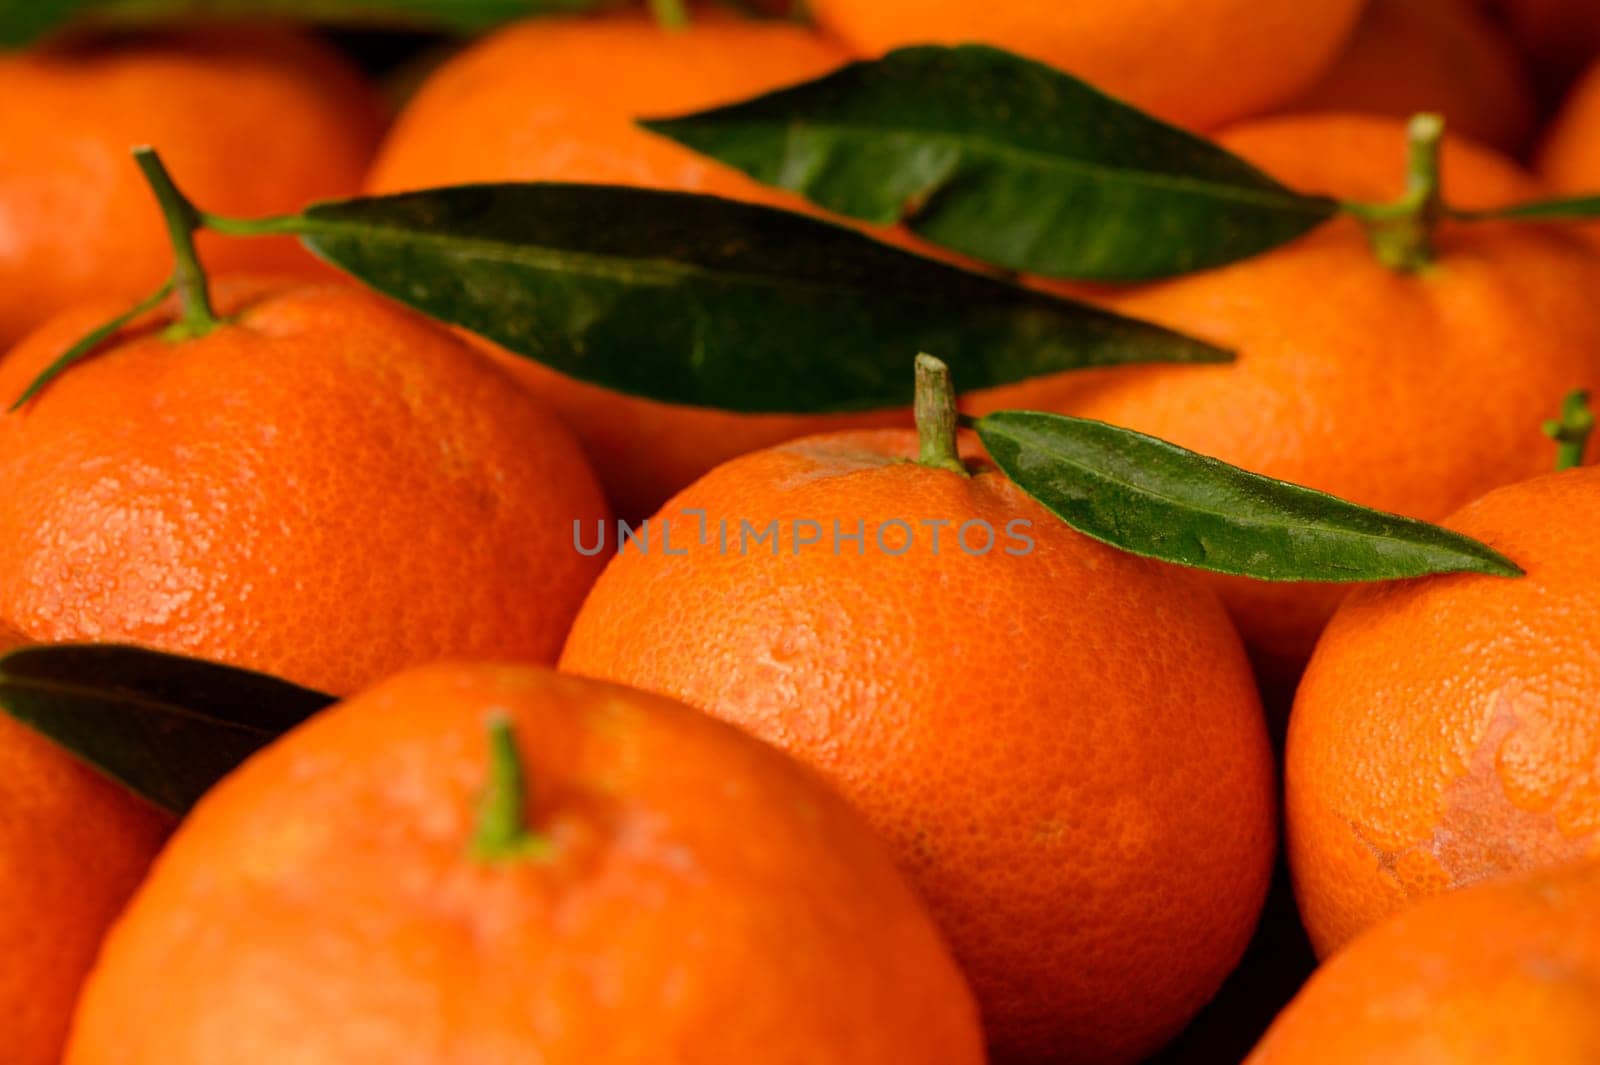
point(696, 300)
point(166, 727)
point(1576, 209)
point(1009, 161)
point(24, 21)
point(1152, 498)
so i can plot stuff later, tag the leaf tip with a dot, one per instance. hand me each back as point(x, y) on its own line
point(1501, 566)
point(1485, 561)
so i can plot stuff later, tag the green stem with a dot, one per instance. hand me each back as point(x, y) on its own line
point(1402, 232)
point(937, 416)
point(194, 296)
point(670, 14)
point(502, 834)
point(1571, 431)
point(90, 343)
point(275, 225)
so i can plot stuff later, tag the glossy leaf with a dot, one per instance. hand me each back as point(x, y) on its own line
point(1152, 498)
point(702, 301)
point(166, 727)
point(1009, 161)
point(24, 21)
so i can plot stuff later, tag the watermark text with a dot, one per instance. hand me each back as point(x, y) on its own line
point(694, 529)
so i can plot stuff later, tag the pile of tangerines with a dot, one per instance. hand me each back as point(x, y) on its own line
point(713, 806)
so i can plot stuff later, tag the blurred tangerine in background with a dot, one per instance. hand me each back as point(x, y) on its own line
point(1443, 56)
point(1199, 63)
point(256, 121)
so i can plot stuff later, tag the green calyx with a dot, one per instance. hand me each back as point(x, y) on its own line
point(937, 417)
point(502, 834)
point(197, 317)
point(1402, 233)
point(1571, 430)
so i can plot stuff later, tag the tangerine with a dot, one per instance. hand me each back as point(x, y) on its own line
point(1200, 63)
point(326, 487)
point(1570, 157)
point(1444, 56)
point(1062, 743)
point(258, 122)
point(1504, 973)
point(1562, 36)
point(73, 846)
point(382, 886)
point(1474, 752)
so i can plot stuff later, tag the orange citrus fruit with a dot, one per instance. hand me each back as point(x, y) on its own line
point(327, 487)
point(1197, 62)
point(556, 99)
point(1444, 56)
point(1505, 973)
point(256, 123)
point(1570, 159)
point(73, 846)
point(1561, 35)
point(1409, 393)
point(1445, 731)
point(1061, 742)
point(672, 891)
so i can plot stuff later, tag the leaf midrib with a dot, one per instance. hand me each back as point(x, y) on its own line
point(1067, 459)
point(122, 697)
point(1282, 199)
point(663, 273)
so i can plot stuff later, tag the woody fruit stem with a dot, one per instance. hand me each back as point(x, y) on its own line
point(1402, 233)
point(194, 296)
point(937, 416)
